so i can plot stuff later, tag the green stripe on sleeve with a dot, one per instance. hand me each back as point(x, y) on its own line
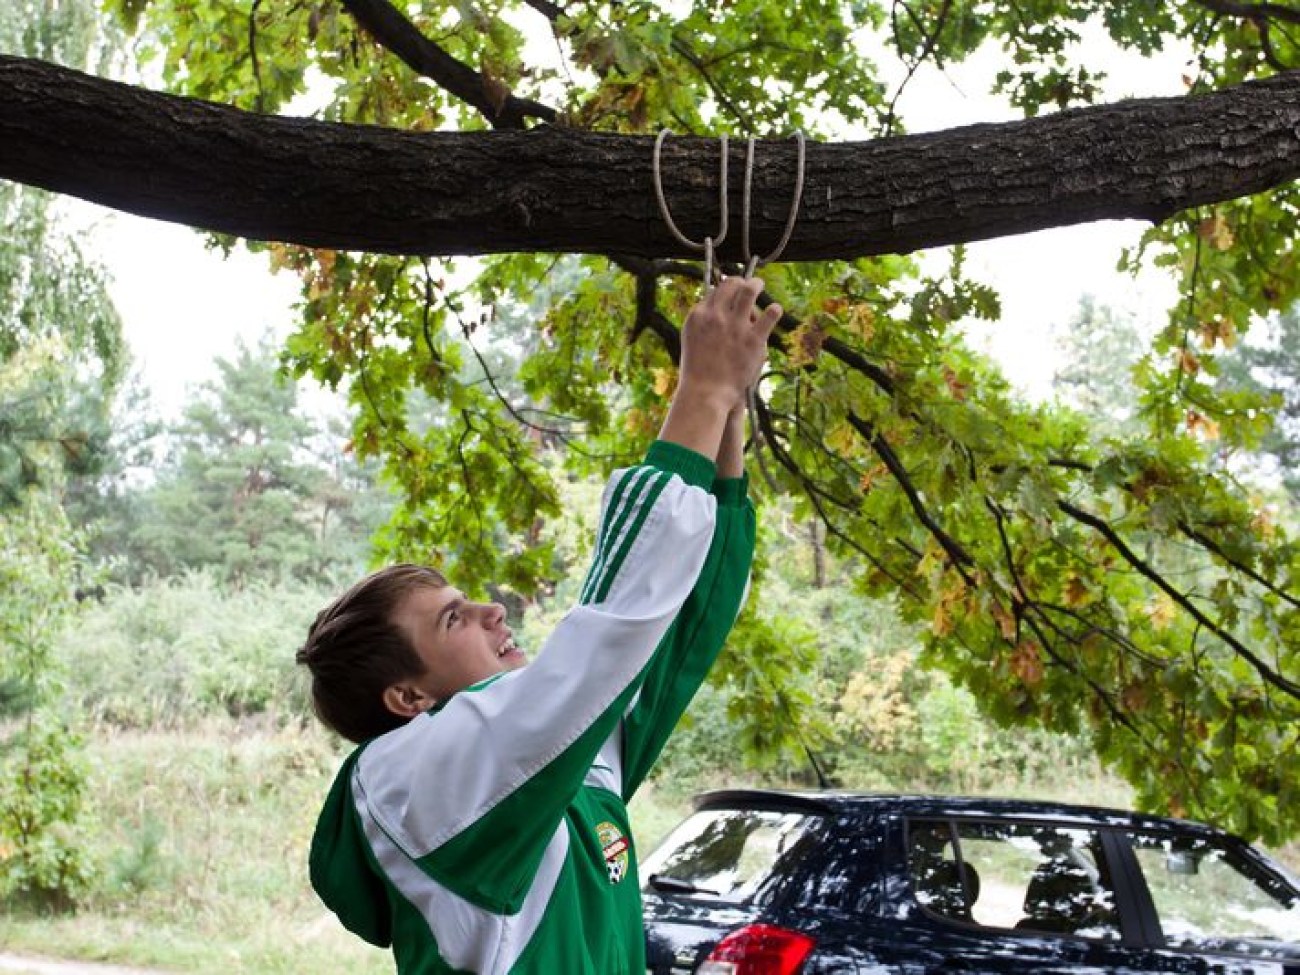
point(643, 512)
point(629, 484)
point(647, 491)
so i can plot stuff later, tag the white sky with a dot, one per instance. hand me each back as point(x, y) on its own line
point(184, 305)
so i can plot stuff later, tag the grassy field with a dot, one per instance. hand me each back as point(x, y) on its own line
point(200, 841)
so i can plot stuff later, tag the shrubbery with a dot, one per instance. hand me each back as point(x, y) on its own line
point(179, 649)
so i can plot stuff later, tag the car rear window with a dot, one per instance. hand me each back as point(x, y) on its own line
point(726, 854)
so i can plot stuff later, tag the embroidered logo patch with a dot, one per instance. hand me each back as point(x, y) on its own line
point(615, 846)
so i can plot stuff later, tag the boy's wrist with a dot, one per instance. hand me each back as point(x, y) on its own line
point(708, 396)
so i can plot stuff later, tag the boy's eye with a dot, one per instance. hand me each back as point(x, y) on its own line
point(452, 617)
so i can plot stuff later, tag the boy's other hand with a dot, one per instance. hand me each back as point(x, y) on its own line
point(724, 346)
point(724, 342)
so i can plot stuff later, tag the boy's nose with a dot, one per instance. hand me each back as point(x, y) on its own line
point(494, 614)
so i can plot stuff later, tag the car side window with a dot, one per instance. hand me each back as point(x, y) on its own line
point(1210, 897)
point(1037, 878)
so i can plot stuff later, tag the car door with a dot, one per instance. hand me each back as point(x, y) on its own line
point(1003, 898)
point(1214, 899)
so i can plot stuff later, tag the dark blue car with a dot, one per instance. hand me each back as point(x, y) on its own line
point(779, 883)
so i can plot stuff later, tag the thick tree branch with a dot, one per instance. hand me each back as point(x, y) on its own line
point(491, 98)
point(373, 189)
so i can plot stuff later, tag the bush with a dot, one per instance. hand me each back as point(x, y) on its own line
point(179, 649)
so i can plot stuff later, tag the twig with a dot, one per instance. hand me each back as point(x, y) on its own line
point(1099, 525)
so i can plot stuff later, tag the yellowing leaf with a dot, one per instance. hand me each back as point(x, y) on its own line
point(1217, 330)
point(1264, 524)
point(1161, 611)
point(665, 379)
point(1027, 664)
point(1201, 425)
point(958, 388)
point(805, 343)
point(1187, 361)
point(842, 438)
point(861, 321)
point(1216, 231)
point(870, 477)
point(941, 624)
point(1076, 592)
point(1135, 697)
point(1006, 621)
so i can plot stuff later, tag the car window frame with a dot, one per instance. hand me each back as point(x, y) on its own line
point(1259, 866)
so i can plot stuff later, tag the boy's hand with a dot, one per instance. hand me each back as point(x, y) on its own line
point(724, 346)
point(724, 342)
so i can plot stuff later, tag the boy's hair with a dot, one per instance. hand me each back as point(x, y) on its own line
point(355, 652)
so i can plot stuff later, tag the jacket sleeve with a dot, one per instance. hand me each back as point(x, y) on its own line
point(473, 793)
point(696, 637)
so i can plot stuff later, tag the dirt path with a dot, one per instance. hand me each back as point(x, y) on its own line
point(24, 965)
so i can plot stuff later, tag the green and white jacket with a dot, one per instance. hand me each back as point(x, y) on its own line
point(490, 834)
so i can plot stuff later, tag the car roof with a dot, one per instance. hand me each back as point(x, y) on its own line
point(973, 807)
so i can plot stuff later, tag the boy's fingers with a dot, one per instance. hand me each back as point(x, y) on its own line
point(769, 317)
point(737, 294)
point(750, 289)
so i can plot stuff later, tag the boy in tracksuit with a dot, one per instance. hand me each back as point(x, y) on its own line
point(481, 826)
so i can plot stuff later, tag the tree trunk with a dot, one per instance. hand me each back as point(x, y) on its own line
point(552, 189)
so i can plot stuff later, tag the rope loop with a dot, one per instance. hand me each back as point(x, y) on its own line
point(709, 244)
point(663, 200)
point(752, 260)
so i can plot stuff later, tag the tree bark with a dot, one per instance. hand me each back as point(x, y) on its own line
point(553, 189)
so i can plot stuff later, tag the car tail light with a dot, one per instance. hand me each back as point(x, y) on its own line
point(759, 949)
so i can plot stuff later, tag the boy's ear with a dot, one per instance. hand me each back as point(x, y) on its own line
point(406, 700)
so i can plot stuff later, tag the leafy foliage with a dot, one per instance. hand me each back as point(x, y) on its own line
point(61, 348)
point(41, 773)
point(1269, 370)
point(1122, 584)
point(61, 360)
point(170, 652)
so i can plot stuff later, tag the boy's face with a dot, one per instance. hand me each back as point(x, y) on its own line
point(460, 642)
